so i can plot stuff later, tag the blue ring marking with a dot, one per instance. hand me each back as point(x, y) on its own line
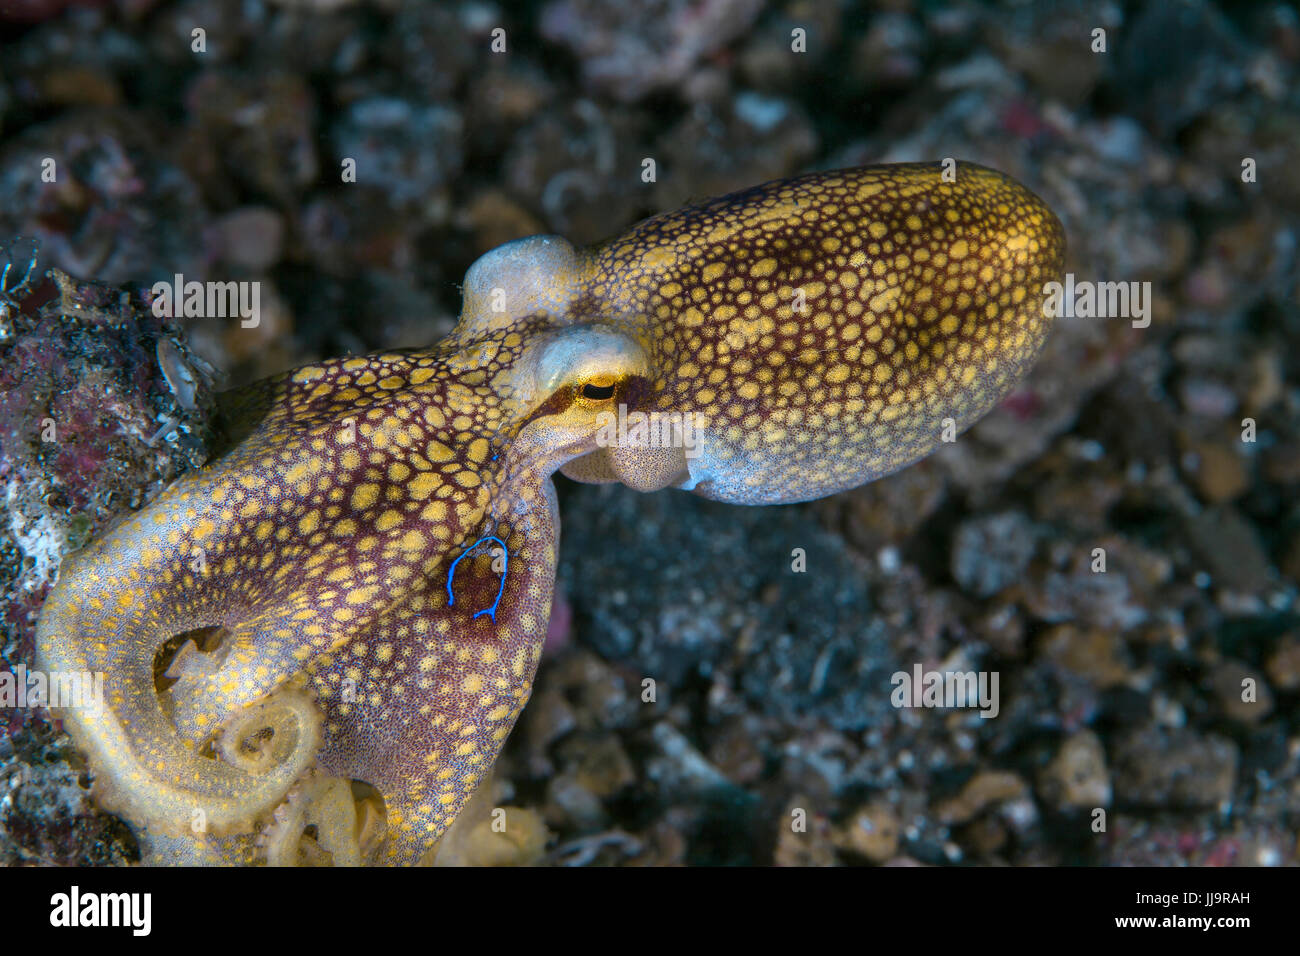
point(489, 611)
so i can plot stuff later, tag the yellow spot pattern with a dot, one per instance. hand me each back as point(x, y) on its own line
point(917, 300)
point(821, 328)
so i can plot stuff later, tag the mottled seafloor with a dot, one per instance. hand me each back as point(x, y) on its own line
point(1119, 691)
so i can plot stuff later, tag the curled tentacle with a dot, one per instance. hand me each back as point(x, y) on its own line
point(263, 738)
point(343, 829)
point(143, 768)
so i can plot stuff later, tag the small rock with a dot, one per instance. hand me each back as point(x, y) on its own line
point(1175, 769)
point(737, 750)
point(1241, 692)
point(803, 836)
point(547, 718)
point(605, 768)
point(683, 769)
point(1076, 593)
point(1205, 397)
point(984, 836)
point(512, 836)
point(983, 790)
point(887, 511)
point(991, 553)
point(1230, 548)
point(1266, 382)
point(1081, 501)
point(257, 130)
point(1077, 776)
point(1283, 665)
point(1093, 654)
point(1217, 471)
point(873, 833)
point(629, 50)
point(569, 803)
point(1118, 140)
point(1002, 626)
point(888, 55)
point(406, 152)
point(81, 86)
point(249, 238)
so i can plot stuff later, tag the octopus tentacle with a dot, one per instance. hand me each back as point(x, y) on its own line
point(144, 769)
point(326, 804)
point(425, 729)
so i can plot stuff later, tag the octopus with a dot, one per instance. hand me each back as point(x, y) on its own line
point(315, 646)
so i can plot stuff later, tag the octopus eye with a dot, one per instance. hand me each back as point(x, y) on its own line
point(597, 392)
